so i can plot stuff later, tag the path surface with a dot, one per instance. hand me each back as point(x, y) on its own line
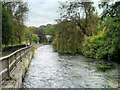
point(50, 70)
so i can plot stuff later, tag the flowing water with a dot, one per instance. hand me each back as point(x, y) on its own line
point(48, 69)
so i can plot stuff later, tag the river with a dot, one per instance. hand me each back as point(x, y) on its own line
point(48, 69)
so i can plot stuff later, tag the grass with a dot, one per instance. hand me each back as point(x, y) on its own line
point(104, 67)
point(100, 65)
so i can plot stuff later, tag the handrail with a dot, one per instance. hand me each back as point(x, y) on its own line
point(7, 63)
point(13, 53)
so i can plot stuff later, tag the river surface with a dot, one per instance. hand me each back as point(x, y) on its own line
point(48, 69)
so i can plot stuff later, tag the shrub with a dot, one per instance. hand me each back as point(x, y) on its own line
point(67, 39)
point(104, 45)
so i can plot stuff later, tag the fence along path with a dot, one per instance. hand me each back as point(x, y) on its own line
point(9, 62)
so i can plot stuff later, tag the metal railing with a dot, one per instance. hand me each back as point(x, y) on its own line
point(9, 62)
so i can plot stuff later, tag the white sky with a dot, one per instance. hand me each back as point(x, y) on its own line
point(42, 12)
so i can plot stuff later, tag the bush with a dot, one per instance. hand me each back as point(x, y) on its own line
point(104, 45)
point(67, 39)
point(35, 38)
point(100, 46)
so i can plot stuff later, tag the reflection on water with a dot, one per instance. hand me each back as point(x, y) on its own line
point(50, 70)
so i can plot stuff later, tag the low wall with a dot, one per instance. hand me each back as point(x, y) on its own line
point(17, 74)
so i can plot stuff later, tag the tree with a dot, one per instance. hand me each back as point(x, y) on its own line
point(0, 28)
point(68, 38)
point(77, 21)
point(80, 13)
point(7, 27)
point(17, 12)
point(41, 35)
point(48, 29)
point(35, 38)
point(106, 44)
point(19, 17)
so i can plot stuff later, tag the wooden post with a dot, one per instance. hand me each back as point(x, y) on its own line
point(8, 69)
point(20, 56)
point(118, 76)
point(24, 53)
point(15, 57)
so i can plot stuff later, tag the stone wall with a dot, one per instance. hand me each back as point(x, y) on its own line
point(17, 75)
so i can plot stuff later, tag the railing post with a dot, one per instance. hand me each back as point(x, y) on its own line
point(15, 57)
point(29, 52)
point(25, 53)
point(118, 77)
point(8, 69)
point(20, 56)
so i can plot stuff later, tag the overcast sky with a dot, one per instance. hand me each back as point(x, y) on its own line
point(42, 12)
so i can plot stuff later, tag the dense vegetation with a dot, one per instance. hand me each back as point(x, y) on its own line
point(67, 38)
point(81, 30)
point(42, 33)
point(0, 29)
point(73, 27)
point(14, 31)
point(106, 43)
point(48, 30)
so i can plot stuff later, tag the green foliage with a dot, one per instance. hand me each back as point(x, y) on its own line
point(106, 43)
point(32, 29)
point(104, 67)
point(93, 46)
point(82, 14)
point(13, 16)
point(29, 35)
point(110, 9)
point(48, 29)
point(7, 27)
point(67, 39)
point(72, 26)
point(41, 34)
point(35, 38)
